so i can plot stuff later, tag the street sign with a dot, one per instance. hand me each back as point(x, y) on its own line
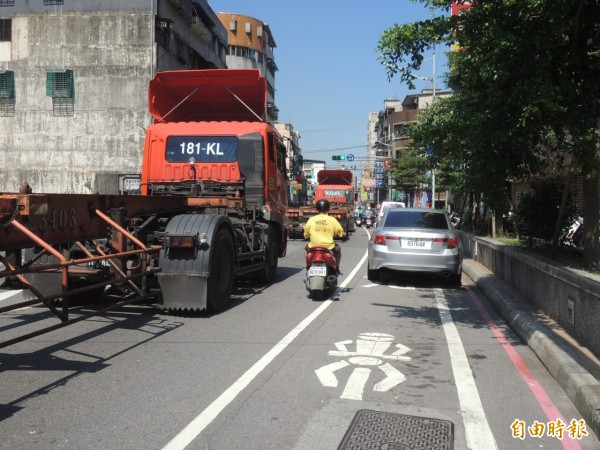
point(350, 157)
point(387, 163)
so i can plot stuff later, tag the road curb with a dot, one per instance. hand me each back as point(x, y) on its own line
point(562, 361)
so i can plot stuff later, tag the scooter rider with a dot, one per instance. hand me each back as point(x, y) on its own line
point(322, 229)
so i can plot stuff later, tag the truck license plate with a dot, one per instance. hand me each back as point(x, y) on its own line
point(317, 271)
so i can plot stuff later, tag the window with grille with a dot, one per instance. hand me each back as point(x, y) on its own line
point(7, 84)
point(7, 93)
point(5, 30)
point(7, 2)
point(60, 86)
point(53, 2)
point(59, 83)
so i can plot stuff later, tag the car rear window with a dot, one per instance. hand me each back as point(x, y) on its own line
point(415, 219)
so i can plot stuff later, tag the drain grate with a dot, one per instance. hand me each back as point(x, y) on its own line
point(388, 431)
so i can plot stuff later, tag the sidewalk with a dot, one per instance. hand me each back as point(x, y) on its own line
point(575, 368)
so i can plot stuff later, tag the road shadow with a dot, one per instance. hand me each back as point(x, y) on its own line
point(132, 317)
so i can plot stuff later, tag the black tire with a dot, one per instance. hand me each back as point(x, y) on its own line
point(317, 295)
point(372, 274)
point(222, 271)
point(454, 280)
point(267, 274)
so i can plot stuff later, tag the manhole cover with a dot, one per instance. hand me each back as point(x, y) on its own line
point(387, 431)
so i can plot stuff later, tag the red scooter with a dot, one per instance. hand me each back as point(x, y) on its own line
point(321, 272)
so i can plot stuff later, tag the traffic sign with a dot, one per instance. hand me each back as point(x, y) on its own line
point(350, 157)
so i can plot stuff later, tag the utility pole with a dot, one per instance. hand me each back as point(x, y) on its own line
point(432, 100)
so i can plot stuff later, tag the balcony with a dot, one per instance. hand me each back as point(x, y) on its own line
point(184, 7)
point(200, 29)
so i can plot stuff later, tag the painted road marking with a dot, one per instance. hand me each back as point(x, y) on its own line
point(5, 295)
point(479, 435)
point(543, 399)
point(200, 422)
point(393, 286)
point(371, 350)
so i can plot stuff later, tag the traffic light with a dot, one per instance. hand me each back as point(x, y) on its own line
point(339, 157)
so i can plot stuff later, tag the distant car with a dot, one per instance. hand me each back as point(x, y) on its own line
point(384, 207)
point(416, 240)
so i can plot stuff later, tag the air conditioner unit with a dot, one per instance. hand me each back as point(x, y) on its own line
point(233, 25)
point(259, 31)
point(248, 27)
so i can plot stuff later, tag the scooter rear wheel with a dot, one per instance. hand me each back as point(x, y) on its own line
point(317, 295)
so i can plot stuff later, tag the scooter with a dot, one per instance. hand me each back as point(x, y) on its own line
point(358, 221)
point(368, 222)
point(321, 269)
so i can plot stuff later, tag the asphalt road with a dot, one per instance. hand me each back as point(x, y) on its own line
point(281, 371)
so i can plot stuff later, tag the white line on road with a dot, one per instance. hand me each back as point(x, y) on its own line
point(5, 295)
point(479, 435)
point(196, 426)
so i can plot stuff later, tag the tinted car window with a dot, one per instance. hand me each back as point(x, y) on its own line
point(416, 219)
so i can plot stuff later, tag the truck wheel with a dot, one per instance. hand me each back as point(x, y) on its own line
point(271, 258)
point(222, 271)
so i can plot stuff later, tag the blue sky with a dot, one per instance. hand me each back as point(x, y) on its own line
point(329, 78)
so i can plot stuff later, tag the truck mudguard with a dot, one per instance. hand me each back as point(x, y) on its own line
point(185, 271)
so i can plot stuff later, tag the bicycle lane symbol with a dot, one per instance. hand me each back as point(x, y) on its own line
point(370, 351)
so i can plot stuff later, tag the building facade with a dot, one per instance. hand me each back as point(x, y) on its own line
point(387, 139)
point(74, 79)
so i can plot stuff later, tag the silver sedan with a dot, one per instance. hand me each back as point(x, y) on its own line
point(416, 240)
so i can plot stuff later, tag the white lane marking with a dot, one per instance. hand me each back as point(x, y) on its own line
point(5, 295)
point(198, 424)
point(479, 434)
point(409, 288)
point(393, 286)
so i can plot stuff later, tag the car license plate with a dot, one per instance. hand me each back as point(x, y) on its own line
point(416, 243)
point(317, 271)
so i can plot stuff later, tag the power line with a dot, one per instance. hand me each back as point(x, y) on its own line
point(333, 149)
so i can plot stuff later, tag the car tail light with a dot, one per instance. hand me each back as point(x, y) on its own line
point(452, 242)
point(379, 239)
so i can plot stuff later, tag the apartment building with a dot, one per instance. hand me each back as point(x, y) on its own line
point(251, 46)
point(74, 79)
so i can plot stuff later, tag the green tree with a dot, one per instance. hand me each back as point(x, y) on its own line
point(525, 85)
point(409, 170)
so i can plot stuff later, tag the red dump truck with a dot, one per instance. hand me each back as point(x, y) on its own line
point(336, 187)
point(212, 207)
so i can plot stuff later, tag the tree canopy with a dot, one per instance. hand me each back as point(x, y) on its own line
point(526, 93)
